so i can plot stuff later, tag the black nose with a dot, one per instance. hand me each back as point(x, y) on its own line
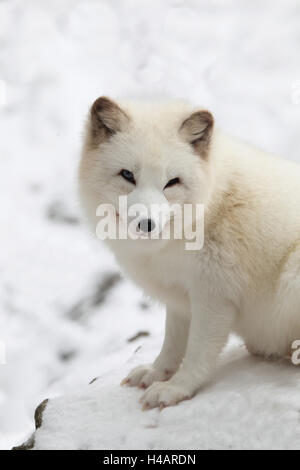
point(146, 225)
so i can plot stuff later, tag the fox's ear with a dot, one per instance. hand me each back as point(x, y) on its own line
point(197, 130)
point(106, 118)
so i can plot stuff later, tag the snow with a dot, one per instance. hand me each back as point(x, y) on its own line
point(251, 404)
point(65, 316)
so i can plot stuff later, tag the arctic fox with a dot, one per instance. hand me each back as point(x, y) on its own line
point(245, 278)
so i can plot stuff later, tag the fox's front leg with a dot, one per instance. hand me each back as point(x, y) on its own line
point(210, 325)
point(171, 355)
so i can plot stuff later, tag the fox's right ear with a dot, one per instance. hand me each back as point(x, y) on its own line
point(106, 118)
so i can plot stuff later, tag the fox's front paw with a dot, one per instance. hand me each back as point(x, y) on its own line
point(162, 394)
point(143, 376)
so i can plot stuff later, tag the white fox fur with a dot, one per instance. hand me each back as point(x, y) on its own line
point(245, 279)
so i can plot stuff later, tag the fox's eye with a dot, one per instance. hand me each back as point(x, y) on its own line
point(172, 182)
point(127, 175)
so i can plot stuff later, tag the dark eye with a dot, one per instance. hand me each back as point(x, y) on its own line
point(172, 182)
point(127, 175)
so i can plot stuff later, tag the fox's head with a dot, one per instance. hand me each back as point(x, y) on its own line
point(157, 155)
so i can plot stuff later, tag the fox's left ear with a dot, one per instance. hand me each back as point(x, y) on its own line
point(197, 130)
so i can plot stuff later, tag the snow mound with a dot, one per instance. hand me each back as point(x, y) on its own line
point(250, 404)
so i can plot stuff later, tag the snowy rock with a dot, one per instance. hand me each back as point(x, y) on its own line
point(38, 418)
point(250, 404)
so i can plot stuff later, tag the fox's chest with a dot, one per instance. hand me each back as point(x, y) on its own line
point(169, 275)
point(167, 267)
point(164, 275)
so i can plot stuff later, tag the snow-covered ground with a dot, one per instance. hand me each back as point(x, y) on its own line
point(250, 404)
point(65, 315)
